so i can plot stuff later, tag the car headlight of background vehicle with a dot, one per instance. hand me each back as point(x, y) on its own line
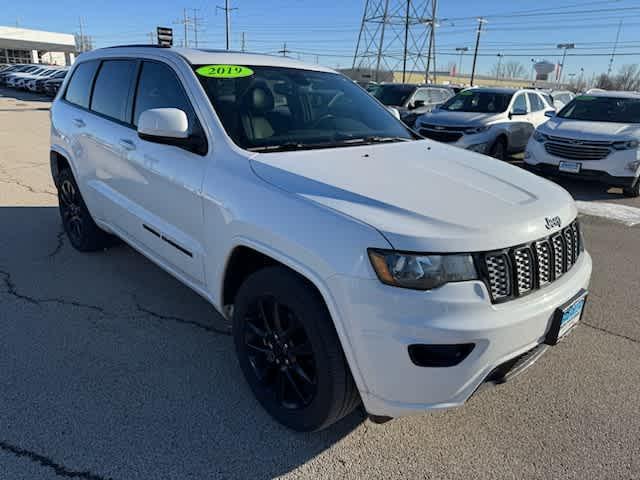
point(419, 271)
point(539, 137)
point(474, 130)
point(626, 145)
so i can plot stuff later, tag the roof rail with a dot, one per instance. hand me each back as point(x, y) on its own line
point(146, 45)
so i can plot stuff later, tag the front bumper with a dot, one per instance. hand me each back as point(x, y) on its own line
point(612, 170)
point(383, 321)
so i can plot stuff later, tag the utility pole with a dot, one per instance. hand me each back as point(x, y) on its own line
point(227, 13)
point(565, 47)
point(462, 51)
point(242, 46)
point(284, 50)
point(406, 40)
point(81, 36)
point(500, 55)
point(185, 22)
point(152, 38)
point(195, 20)
point(481, 21)
point(615, 47)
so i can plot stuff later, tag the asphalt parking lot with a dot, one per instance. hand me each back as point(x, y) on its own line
point(111, 369)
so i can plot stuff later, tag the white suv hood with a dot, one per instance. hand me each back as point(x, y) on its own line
point(597, 131)
point(422, 195)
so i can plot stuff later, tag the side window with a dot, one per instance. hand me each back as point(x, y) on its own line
point(520, 104)
point(421, 95)
point(535, 102)
point(79, 89)
point(159, 87)
point(114, 88)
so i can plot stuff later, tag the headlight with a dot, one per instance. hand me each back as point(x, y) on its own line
point(539, 137)
point(421, 272)
point(474, 130)
point(627, 145)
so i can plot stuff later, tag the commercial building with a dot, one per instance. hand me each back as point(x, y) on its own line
point(21, 45)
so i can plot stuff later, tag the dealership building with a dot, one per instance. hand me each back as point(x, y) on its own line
point(21, 45)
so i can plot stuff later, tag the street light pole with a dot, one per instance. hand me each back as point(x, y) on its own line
point(462, 50)
point(564, 47)
point(500, 55)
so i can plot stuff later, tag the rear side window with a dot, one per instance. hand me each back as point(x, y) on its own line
point(536, 103)
point(79, 89)
point(114, 89)
point(160, 88)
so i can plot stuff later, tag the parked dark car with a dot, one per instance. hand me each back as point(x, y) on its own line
point(39, 84)
point(412, 100)
point(15, 69)
point(51, 87)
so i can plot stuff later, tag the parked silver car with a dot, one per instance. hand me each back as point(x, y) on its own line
point(411, 100)
point(493, 121)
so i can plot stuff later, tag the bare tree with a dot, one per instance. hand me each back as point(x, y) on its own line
point(628, 78)
point(508, 70)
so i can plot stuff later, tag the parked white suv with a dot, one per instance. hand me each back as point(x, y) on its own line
point(493, 121)
point(356, 262)
point(595, 137)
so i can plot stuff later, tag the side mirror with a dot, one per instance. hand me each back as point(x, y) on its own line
point(170, 126)
point(158, 124)
point(418, 104)
point(394, 111)
point(550, 113)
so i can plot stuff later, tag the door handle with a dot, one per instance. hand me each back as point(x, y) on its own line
point(127, 144)
point(78, 122)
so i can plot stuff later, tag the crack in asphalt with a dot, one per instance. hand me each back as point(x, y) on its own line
point(604, 330)
point(184, 321)
point(13, 291)
point(60, 237)
point(60, 470)
point(27, 187)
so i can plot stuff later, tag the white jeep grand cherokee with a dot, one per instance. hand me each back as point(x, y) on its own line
point(357, 262)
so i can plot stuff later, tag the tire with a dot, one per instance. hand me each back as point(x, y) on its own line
point(305, 385)
point(82, 231)
point(633, 191)
point(499, 149)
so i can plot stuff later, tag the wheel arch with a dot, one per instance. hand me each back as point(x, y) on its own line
point(58, 160)
point(234, 273)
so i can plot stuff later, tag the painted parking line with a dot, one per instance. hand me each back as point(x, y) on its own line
point(629, 216)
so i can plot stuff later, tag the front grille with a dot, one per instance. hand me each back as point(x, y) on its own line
point(577, 149)
point(440, 133)
point(517, 271)
point(441, 136)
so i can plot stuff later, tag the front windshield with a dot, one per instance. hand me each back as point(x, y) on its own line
point(478, 101)
point(393, 95)
point(275, 108)
point(602, 109)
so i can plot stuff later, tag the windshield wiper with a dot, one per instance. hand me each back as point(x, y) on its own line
point(291, 146)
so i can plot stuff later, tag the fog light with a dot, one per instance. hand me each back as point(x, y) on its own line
point(633, 166)
point(478, 147)
point(439, 355)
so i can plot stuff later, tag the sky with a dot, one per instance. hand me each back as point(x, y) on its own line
point(326, 31)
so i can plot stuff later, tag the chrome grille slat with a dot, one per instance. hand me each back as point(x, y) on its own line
point(520, 270)
point(499, 277)
point(577, 152)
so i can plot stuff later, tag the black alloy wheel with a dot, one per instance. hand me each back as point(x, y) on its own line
point(280, 353)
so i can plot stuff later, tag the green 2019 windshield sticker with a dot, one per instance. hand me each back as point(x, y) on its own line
point(585, 97)
point(466, 93)
point(224, 71)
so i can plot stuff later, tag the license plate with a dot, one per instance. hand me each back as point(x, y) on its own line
point(566, 317)
point(570, 167)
